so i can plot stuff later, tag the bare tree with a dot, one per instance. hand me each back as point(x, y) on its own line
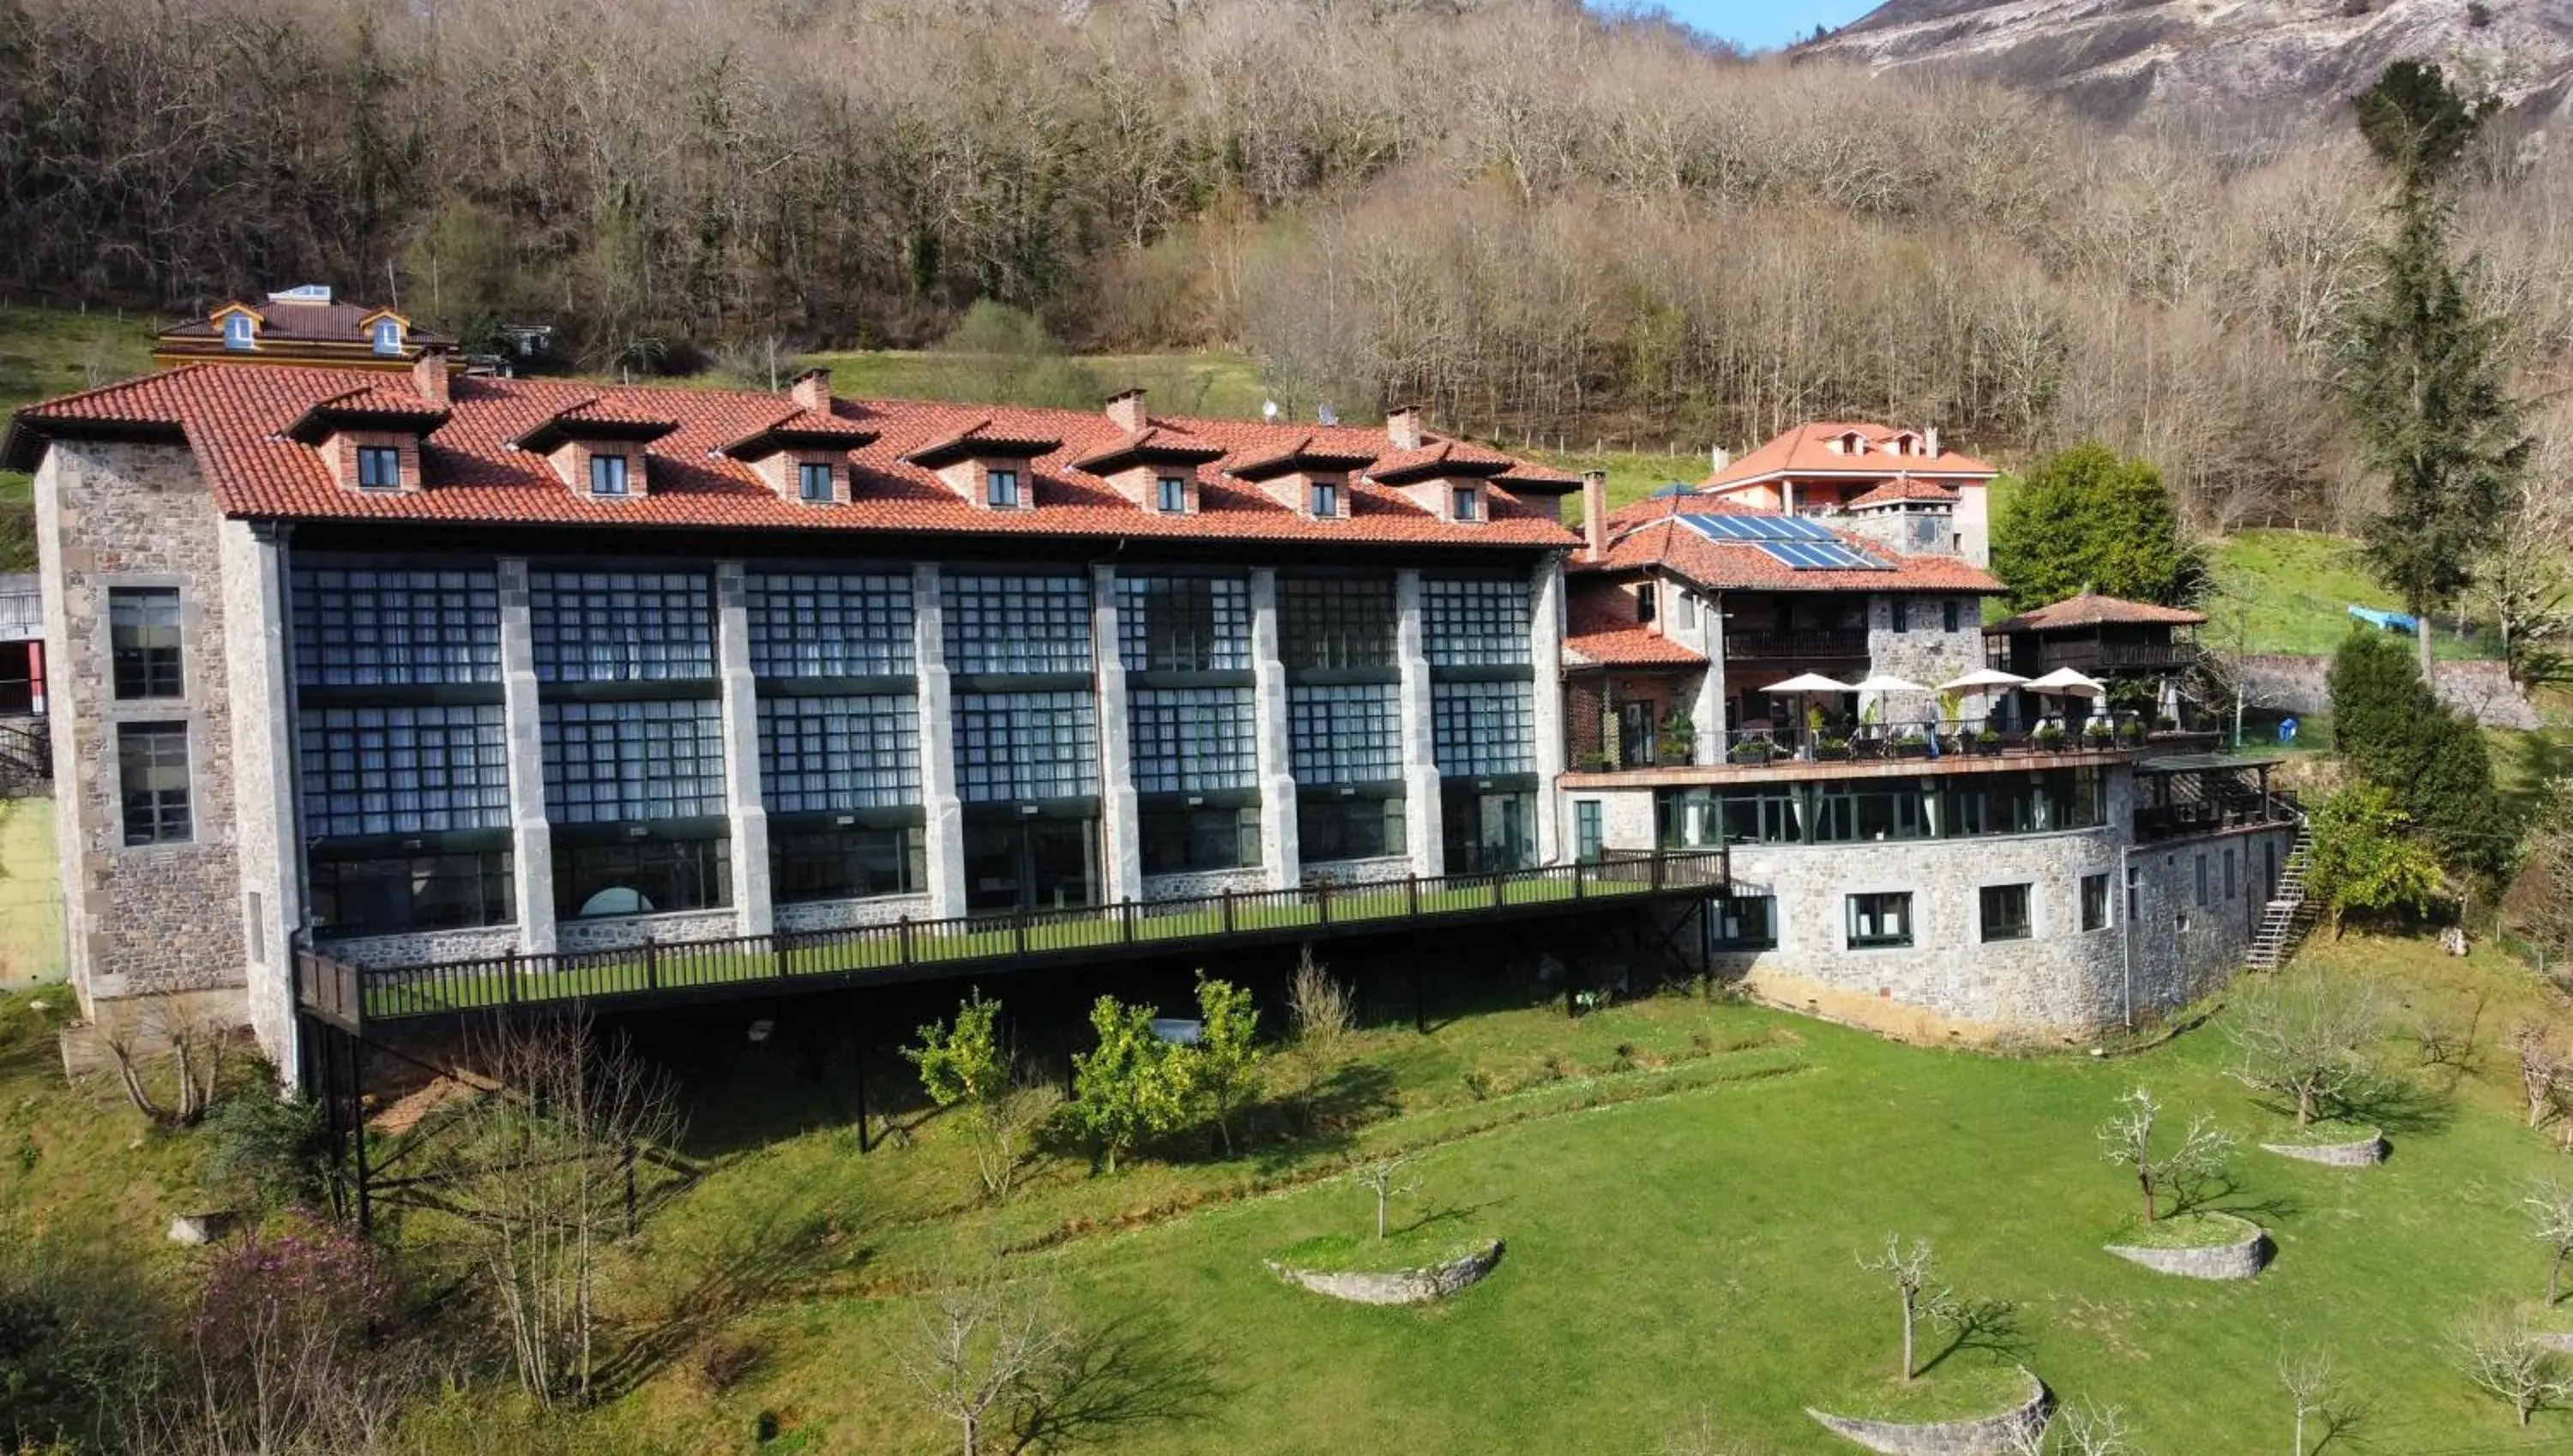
point(2497, 1351)
point(2312, 1383)
point(1388, 1179)
point(544, 1178)
point(170, 1050)
point(2550, 1222)
point(2073, 1430)
point(2127, 1140)
point(1912, 1271)
point(2541, 1070)
point(2307, 1041)
point(1320, 1021)
point(982, 1347)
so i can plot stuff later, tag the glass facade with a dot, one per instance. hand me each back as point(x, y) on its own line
point(1336, 623)
point(1480, 729)
point(404, 770)
point(1023, 746)
point(824, 754)
point(1343, 826)
point(845, 861)
point(1178, 837)
point(390, 895)
point(1474, 623)
point(1344, 735)
point(1193, 740)
point(393, 628)
point(609, 763)
point(1184, 623)
point(621, 626)
point(824, 624)
point(1850, 810)
point(645, 876)
point(1016, 623)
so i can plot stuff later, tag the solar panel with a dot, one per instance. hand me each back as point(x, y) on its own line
point(1820, 556)
point(1758, 527)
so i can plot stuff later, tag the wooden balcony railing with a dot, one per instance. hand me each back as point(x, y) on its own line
point(1784, 645)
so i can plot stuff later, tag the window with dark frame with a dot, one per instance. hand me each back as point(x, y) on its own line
point(2202, 879)
point(1587, 836)
point(1003, 624)
point(1014, 747)
point(1468, 502)
point(813, 480)
point(1326, 500)
point(1902, 614)
point(1351, 734)
point(1483, 729)
point(378, 468)
point(834, 754)
point(1332, 827)
point(398, 893)
point(1180, 838)
point(2006, 914)
point(621, 626)
point(641, 877)
point(1336, 623)
point(830, 624)
point(1473, 623)
point(809, 862)
point(151, 778)
point(2232, 886)
point(367, 628)
point(1879, 920)
point(2095, 902)
point(1173, 495)
point(1193, 740)
point(1001, 489)
point(1183, 623)
point(404, 770)
point(143, 641)
point(1948, 615)
point(1746, 922)
point(1643, 601)
point(622, 762)
point(607, 474)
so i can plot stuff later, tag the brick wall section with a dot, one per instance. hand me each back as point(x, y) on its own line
point(161, 917)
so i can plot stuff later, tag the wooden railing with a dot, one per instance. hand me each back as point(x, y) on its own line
point(1785, 645)
point(901, 948)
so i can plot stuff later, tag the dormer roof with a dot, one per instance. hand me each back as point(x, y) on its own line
point(1815, 449)
point(1312, 453)
point(1151, 446)
point(393, 409)
point(984, 440)
point(1902, 488)
point(1437, 458)
point(799, 429)
point(597, 417)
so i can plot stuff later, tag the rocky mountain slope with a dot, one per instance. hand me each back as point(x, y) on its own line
point(2243, 60)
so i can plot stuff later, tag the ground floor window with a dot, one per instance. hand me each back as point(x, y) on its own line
point(1880, 920)
point(1746, 922)
point(846, 861)
point(2005, 912)
point(1031, 862)
point(1181, 837)
point(1487, 830)
point(395, 893)
point(1333, 826)
point(2095, 902)
point(1587, 831)
point(598, 878)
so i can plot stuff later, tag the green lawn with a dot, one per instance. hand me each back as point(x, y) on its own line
point(1682, 1245)
point(2300, 586)
point(48, 352)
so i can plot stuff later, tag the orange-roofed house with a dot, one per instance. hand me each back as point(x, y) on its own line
point(1881, 473)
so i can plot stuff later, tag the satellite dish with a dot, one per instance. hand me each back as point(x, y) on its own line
point(1268, 411)
point(1326, 415)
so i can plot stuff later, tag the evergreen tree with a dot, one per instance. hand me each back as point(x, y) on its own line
point(2422, 378)
point(2429, 759)
point(2088, 518)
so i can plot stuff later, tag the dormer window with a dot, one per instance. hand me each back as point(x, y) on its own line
point(1001, 489)
point(378, 468)
point(238, 331)
point(1172, 494)
point(1851, 445)
point(388, 338)
point(1326, 500)
point(1467, 504)
point(607, 476)
point(813, 482)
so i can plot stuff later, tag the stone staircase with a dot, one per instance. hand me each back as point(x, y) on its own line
point(2288, 915)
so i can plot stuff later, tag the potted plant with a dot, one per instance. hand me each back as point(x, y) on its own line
point(1909, 744)
point(1988, 740)
point(2050, 736)
point(1679, 737)
point(2131, 731)
point(2166, 724)
point(1832, 748)
point(1752, 750)
point(2097, 732)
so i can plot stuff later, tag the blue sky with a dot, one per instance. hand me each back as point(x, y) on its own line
point(1757, 24)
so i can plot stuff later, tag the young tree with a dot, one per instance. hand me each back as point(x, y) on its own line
point(1321, 1019)
point(2085, 519)
point(1224, 1067)
point(2424, 375)
point(965, 1065)
point(2541, 1070)
point(2503, 1357)
point(2312, 1383)
point(2363, 861)
point(2127, 1139)
point(2307, 1041)
point(1133, 1085)
point(1387, 1178)
point(981, 1347)
point(2073, 1430)
point(2550, 1222)
point(1912, 1271)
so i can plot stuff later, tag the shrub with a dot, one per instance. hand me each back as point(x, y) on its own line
point(263, 1152)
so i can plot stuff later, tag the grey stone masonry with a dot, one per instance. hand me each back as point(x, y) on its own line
point(1708, 714)
point(1924, 651)
point(272, 880)
point(532, 850)
point(743, 801)
point(1420, 807)
point(1121, 827)
point(1545, 649)
point(139, 919)
point(1278, 849)
point(943, 832)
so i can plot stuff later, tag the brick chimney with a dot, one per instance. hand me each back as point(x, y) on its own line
point(812, 391)
point(428, 374)
point(1402, 426)
point(1594, 513)
point(1128, 411)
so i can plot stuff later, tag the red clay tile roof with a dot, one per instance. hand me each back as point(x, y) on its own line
point(378, 406)
point(2089, 609)
point(324, 322)
point(1441, 458)
point(1152, 445)
point(799, 429)
point(233, 415)
point(1903, 488)
point(1668, 546)
point(1313, 451)
point(1662, 507)
point(1601, 630)
point(1806, 451)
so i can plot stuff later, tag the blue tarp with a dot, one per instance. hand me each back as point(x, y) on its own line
point(2390, 621)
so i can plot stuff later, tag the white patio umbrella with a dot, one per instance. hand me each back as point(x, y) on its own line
point(2063, 682)
point(1804, 685)
point(1982, 683)
point(1879, 685)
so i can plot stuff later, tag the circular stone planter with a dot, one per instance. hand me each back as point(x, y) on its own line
point(1395, 1286)
point(2366, 1152)
point(1993, 1435)
point(2238, 1259)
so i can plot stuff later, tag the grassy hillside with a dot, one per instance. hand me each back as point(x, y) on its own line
point(2301, 586)
point(48, 352)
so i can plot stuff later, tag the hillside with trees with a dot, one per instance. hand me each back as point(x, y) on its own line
point(1534, 222)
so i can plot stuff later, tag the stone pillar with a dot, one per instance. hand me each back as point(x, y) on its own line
point(1422, 806)
point(1121, 825)
point(1278, 856)
point(532, 849)
point(268, 844)
point(1545, 659)
point(752, 912)
point(1708, 711)
point(943, 837)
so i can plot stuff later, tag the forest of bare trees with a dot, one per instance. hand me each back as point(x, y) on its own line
point(1531, 220)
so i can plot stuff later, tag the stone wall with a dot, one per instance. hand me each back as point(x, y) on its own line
point(1359, 872)
point(153, 918)
point(475, 944)
point(822, 915)
point(1203, 882)
point(1925, 652)
point(630, 930)
point(2300, 685)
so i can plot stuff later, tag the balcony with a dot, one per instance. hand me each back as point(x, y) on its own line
point(352, 997)
point(1785, 646)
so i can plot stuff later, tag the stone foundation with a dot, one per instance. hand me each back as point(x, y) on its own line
point(631, 932)
point(1401, 1286)
point(1204, 882)
point(1996, 1435)
point(2242, 1261)
point(1359, 872)
point(2367, 1152)
point(823, 915)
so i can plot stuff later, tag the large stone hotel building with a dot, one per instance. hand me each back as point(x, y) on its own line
point(392, 669)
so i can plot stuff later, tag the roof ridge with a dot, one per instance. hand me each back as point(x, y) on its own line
point(94, 392)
